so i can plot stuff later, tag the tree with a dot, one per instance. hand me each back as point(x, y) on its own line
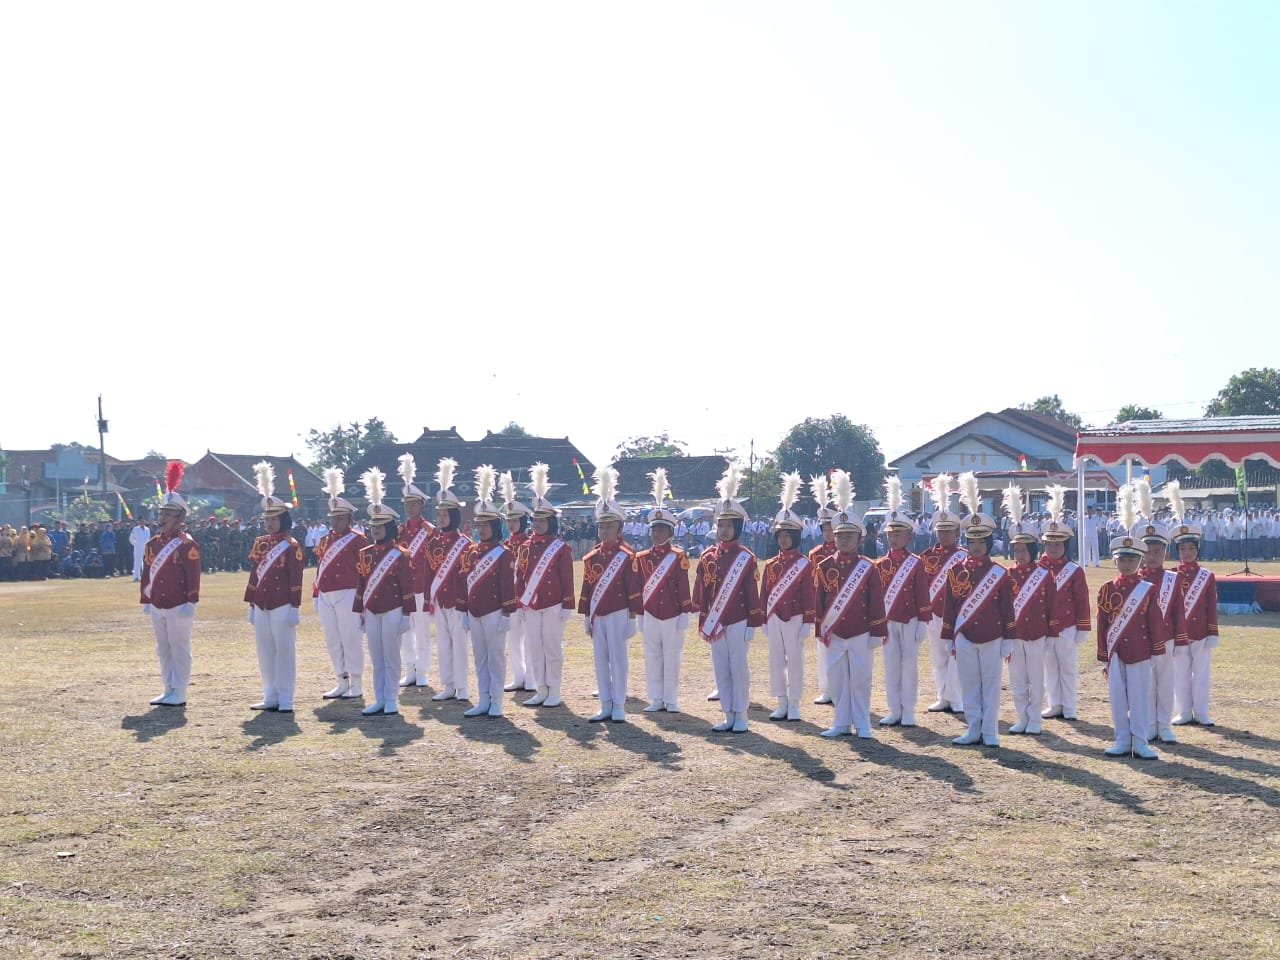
point(660, 446)
point(1132, 411)
point(83, 509)
point(1052, 407)
point(512, 429)
point(343, 446)
point(1256, 392)
point(762, 483)
point(819, 446)
point(154, 455)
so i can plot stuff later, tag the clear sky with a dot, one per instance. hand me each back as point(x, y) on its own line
point(241, 220)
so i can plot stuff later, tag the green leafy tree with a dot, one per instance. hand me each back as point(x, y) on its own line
point(663, 445)
point(83, 509)
point(344, 445)
point(762, 483)
point(512, 429)
point(1132, 411)
point(821, 445)
point(1256, 392)
point(1051, 406)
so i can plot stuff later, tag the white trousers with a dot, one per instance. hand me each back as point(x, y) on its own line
point(729, 663)
point(451, 649)
point(173, 647)
point(902, 668)
point(383, 633)
point(946, 675)
point(824, 686)
point(1089, 551)
point(849, 666)
point(277, 643)
point(139, 553)
point(663, 653)
point(609, 645)
point(1129, 687)
point(1191, 679)
point(786, 657)
point(981, 668)
point(490, 650)
point(415, 643)
point(1160, 704)
point(341, 626)
point(1062, 671)
point(544, 647)
point(515, 651)
point(1026, 680)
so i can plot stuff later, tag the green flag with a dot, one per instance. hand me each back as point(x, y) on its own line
point(1242, 491)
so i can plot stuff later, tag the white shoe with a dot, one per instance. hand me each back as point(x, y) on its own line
point(725, 725)
point(604, 713)
point(1206, 721)
point(1033, 729)
point(1048, 713)
point(864, 734)
point(713, 695)
point(908, 719)
point(371, 709)
point(537, 699)
point(1152, 731)
point(1143, 751)
point(793, 712)
point(445, 694)
point(513, 687)
point(740, 722)
point(991, 741)
point(422, 681)
point(461, 694)
point(1182, 719)
point(653, 707)
point(392, 707)
point(1019, 727)
point(176, 697)
point(338, 692)
point(619, 712)
point(481, 708)
point(157, 701)
point(1167, 735)
point(835, 732)
point(263, 705)
point(1117, 749)
point(553, 697)
point(891, 720)
point(781, 712)
point(409, 679)
point(822, 698)
point(939, 706)
point(673, 707)
point(355, 691)
point(495, 707)
point(967, 738)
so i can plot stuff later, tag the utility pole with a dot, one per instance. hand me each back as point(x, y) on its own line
point(102, 451)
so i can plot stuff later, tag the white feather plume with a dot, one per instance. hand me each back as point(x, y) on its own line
point(265, 474)
point(940, 491)
point(1126, 507)
point(659, 489)
point(486, 477)
point(508, 487)
point(1173, 490)
point(727, 486)
point(606, 483)
point(893, 493)
point(540, 480)
point(842, 485)
point(1142, 489)
point(790, 490)
point(444, 473)
point(333, 485)
point(969, 495)
point(1012, 497)
point(821, 490)
point(1057, 504)
point(373, 488)
point(407, 470)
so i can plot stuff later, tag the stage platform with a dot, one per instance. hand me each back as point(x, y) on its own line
point(1238, 594)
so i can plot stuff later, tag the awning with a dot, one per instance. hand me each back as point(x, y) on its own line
point(1230, 439)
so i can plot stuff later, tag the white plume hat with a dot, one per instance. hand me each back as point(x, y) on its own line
point(605, 489)
point(729, 507)
point(788, 519)
point(265, 475)
point(540, 487)
point(660, 513)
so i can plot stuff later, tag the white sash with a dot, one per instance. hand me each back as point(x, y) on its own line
point(784, 586)
point(728, 585)
point(981, 594)
point(1168, 581)
point(158, 561)
point(381, 571)
point(484, 566)
point(332, 553)
point(856, 578)
point(272, 556)
point(540, 571)
point(897, 583)
point(419, 538)
point(1127, 612)
point(1064, 575)
point(446, 568)
point(606, 580)
point(940, 581)
point(1028, 591)
point(659, 576)
point(1192, 596)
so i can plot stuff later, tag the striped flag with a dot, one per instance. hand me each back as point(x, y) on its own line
point(293, 491)
point(586, 490)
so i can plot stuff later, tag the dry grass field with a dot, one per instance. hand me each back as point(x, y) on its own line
point(211, 831)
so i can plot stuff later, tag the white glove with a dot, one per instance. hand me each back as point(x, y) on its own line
point(586, 626)
point(466, 622)
point(187, 610)
point(806, 631)
point(682, 622)
point(951, 648)
point(1080, 636)
point(1006, 648)
point(922, 631)
point(751, 634)
point(405, 625)
point(566, 614)
point(251, 613)
point(504, 624)
point(146, 609)
point(631, 628)
point(361, 619)
point(293, 617)
point(1211, 642)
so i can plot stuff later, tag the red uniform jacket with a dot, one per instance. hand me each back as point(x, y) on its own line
point(623, 592)
point(912, 602)
point(802, 598)
point(1145, 635)
point(1035, 621)
point(865, 613)
point(453, 588)
point(821, 552)
point(340, 572)
point(418, 559)
point(178, 579)
point(497, 589)
point(935, 558)
point(672, 598)
point(1201, 620)
point(994, 619)
point(513, 544)
point(282, 582)
point(744, 604)
point(395, 589)
point(1173, 616)
point(1070, 605)
point(556, 587)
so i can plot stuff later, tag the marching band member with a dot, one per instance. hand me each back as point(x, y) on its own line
point(908, 610)
point(490, 598)
point(415, 644)
point(384, 598)
point(977, 620)
point(1199, 599)
point(728, 603)
point(787, 585)
point(544, 582)
point(820, 488)
point(1168, 588)
point(446, 587)
point(517, 516)
point(610, 600)
point(1033, 590)
point(170, 590)
point(1069, 614)
point(938, 561)
point(666, 603)
point(274, 595)
point(334, 593)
